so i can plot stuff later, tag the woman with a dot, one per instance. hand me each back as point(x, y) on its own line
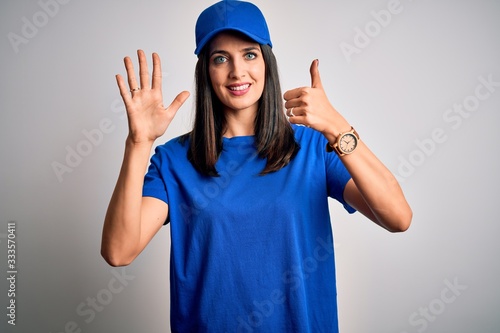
point(246, 191)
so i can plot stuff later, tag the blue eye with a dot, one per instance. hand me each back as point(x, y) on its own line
point(250, 56)
point(219, 59)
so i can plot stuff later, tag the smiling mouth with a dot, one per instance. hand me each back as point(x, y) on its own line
point(239, 88)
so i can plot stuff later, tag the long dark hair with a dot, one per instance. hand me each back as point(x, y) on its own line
point(274, 136)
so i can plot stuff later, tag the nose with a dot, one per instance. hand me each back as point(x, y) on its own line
point(238, 69)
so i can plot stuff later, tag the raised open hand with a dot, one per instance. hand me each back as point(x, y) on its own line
point(147, 116)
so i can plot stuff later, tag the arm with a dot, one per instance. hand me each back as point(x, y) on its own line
point(131, 221)
point(373, 190)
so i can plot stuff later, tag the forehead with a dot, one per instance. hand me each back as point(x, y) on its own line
point(227, 40)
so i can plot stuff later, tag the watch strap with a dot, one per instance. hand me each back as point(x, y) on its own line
point(334, 147)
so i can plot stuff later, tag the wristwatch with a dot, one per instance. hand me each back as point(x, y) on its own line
point(345, 144)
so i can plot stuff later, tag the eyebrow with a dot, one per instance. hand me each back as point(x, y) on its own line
point(246, 49)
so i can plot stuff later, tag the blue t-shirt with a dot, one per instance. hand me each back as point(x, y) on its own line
point(251, 253)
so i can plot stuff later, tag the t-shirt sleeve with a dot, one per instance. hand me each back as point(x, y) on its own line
point(154, 183)
point(337, 178)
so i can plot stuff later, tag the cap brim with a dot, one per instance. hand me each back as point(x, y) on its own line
point(212, 34)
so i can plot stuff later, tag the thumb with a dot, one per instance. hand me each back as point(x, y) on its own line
point(315, 77)
point(178, 101)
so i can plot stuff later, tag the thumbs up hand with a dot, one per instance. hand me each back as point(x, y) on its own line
point(310, 106)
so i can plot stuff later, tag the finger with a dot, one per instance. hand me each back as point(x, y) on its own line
point(157, 76)
point(293, 93)
point(178, 101)
point(132, 82)
point(123, 89)
point(143, 70)
point(293, 103)
point(295, 112)
point(315, 77)
point(297, 120)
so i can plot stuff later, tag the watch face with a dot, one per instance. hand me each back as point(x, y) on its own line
point(348, 143)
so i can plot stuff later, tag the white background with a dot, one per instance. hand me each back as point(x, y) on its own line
point(398, 89)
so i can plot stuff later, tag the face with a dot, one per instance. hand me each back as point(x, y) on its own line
point(237, 72)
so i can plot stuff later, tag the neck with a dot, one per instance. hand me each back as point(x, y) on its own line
point(240, 123)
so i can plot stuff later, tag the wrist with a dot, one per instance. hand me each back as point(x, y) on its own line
point(344, 143)
point(136, 142)
point(335, 128)
point(132, 144)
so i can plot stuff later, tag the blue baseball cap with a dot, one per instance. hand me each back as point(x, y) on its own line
point(231, 15)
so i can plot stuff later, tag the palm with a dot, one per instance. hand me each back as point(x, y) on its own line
point(147, 116)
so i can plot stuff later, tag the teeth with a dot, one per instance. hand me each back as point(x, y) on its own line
point(243, 87)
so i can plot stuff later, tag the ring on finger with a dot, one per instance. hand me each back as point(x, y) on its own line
point(290, 113)
point(135, 89)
